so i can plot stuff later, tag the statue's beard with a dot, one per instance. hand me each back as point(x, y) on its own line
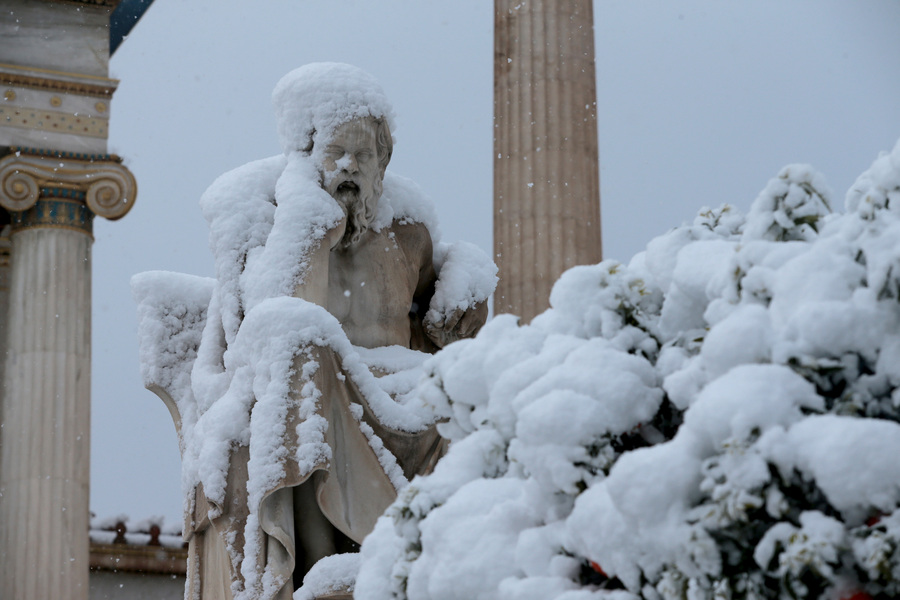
point(359, 199)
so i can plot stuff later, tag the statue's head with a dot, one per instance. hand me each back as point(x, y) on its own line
point(339, 116)
point(352, 170)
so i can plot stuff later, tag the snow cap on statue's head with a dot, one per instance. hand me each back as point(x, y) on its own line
point(310, 102)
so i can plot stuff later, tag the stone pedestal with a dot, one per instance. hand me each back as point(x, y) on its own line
point(546, 164)
point(45, 410)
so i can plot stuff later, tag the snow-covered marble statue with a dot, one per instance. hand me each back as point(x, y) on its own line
point(290, 375)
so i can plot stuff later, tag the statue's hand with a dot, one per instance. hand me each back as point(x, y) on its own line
point(458, 325)
point(334, 235)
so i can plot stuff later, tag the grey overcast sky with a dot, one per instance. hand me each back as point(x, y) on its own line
point(700, 102)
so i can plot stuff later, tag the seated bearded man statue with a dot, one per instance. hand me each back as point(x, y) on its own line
point(292, 375)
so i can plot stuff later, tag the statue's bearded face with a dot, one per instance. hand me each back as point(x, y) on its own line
point(351, 173)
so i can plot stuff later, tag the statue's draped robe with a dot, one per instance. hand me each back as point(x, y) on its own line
point(262, 232)
point(352, 487)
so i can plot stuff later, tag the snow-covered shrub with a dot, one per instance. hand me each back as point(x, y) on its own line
point(720, 418)
point(538, 414)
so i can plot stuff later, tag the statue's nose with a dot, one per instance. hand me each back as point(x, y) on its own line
point(352, 165)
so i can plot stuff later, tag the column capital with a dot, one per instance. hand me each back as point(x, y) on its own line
point(99, 181)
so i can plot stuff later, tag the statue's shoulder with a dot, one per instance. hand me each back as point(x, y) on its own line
point(411, 235)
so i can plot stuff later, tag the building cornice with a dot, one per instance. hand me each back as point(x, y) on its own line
point(111, 4)
point(57, 81)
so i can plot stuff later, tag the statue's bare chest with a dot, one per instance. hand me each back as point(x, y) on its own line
point(370, 290)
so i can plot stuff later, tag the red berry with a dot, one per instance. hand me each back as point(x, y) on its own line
point(854, 595)
point(597, 568)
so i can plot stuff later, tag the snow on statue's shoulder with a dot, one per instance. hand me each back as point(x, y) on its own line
point(239, 207)
point(404, 201)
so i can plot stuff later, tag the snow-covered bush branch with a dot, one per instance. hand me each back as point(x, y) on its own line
point(720, 418)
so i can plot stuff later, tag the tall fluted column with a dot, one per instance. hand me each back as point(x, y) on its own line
point(45, 437)
point(546, 163)
point(5, 246)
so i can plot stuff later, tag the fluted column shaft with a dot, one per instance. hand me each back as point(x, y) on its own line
point(546, 163)
point(45, 442)
point(5, 246)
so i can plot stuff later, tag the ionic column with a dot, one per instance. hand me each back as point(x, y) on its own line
point(45, 436)
point(546, 171)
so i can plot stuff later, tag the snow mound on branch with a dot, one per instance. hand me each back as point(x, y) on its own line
point(877, 187)
point(335, 573)
point(719, 418)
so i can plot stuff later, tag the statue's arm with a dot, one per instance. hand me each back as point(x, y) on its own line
point(313, 285)
point(459, 307)
point(417, 247)
point(427, 274)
